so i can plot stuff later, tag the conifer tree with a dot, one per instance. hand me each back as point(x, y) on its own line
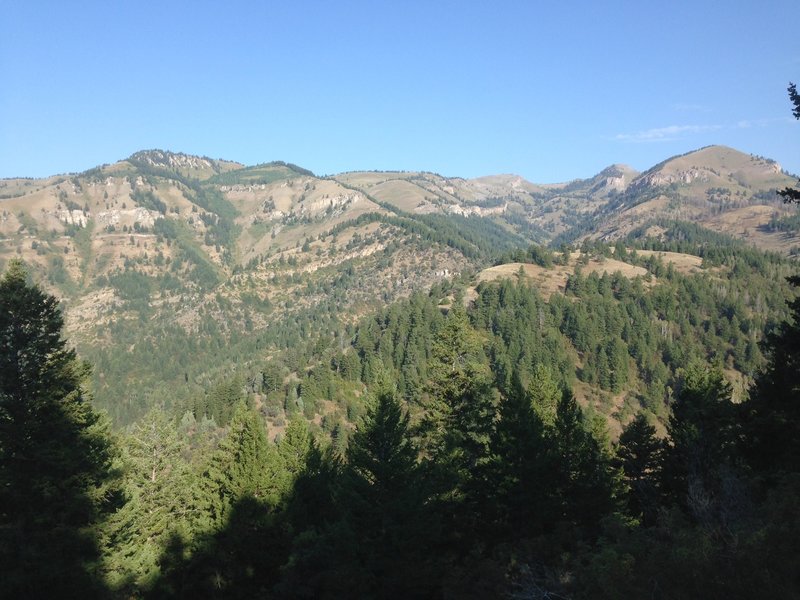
point(585, 486)
point(702, 433)
point(161, 500)
point(55, 451)
point(244, 465)
point(772, 441)
point(459, 409)
point(386, 503)
point(639, 455)
point(519, 470)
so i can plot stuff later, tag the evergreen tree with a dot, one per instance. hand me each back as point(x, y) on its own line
point(386, 504)
point(639, 455)
point(244, 465)
point(162, 500)
point(585, 486)
point(520, 468)
point(544, 394)
point(772, 441)
point(294, 449)
point(459, 410)
point(55, 452)
point(698, 461)
point(792, 194)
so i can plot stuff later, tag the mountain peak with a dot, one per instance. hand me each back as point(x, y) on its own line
point(199, 167)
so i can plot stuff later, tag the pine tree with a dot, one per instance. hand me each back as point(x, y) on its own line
point(386, 503)
point(639, 456)
point(772, 441)
point(162, 500)
point(244, 465)
point(518, 473)
point(55, 451)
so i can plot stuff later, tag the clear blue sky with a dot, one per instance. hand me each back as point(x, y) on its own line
point(461, 88)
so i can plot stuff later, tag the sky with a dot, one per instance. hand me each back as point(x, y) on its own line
point(461, 88)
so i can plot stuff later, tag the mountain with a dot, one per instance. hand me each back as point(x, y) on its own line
point(190, 267)
point(718, 187)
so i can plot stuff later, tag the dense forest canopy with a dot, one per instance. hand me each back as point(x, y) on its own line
point(610, 419)
point(436, 448)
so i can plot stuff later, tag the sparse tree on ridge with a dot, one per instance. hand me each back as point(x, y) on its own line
point(792, 194)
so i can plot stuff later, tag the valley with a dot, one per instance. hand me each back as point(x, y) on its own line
point(258, 335)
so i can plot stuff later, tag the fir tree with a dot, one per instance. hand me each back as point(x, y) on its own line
point(162, 500)
point(55, 452)
point(244, 465)
point(772, 442)
point(639, 456)
point(386, 503)
point(517, 475)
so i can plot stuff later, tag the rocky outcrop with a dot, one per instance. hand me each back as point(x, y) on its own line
point(142, 216)
point(72, 217)
point(161, 158)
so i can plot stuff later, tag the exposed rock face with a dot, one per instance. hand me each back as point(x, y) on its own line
point(321, 204)
point(243, 188)
point(661, 179)
point(142, 216)
point(72, 217)
point(159, 158)
point(466, 211)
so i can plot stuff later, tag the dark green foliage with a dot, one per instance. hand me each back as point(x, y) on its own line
point(374, 548)
point(55, 454)
point(387, 504)
point(147, 199)
point(792, 194)
point(521, 507)
point(474, 237)
point(240, 560)
point(639, 456)
point(537, 255)
point(459, 411)
point(773, 411)
point(698, 460)
point(585, 484)
point(204, 273)
point(244, 465)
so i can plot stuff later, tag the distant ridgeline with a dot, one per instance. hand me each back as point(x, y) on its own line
point(391, 384)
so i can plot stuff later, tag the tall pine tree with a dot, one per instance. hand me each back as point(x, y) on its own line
point(55, 453)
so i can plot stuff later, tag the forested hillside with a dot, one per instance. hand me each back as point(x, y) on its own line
point(385, 384)
point(470, 471)
point(178, 272)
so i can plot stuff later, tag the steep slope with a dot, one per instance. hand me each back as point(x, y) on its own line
point(235, 262)
point(164, 255)
point(717, 187)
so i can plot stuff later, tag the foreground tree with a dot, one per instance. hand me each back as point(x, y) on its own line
point(772, 440)
point(639, 455)
point(386, 503)
point(792, 194)
point(55, 453)
point(162, 500)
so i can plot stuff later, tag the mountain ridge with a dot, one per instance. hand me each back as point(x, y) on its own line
point(198, 248)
